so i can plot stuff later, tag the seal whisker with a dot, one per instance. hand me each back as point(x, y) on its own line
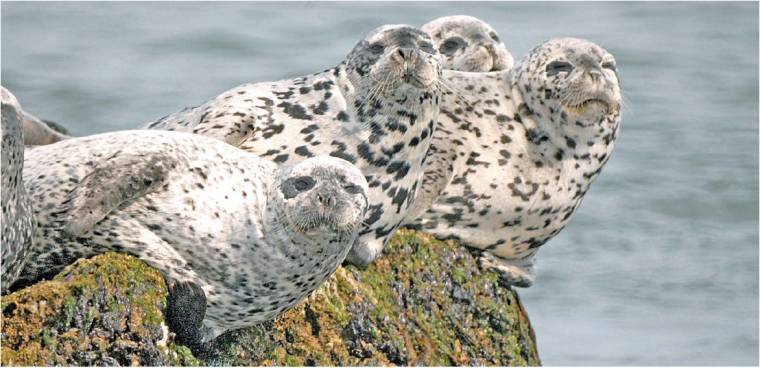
point(539, 162)
point(367, 110)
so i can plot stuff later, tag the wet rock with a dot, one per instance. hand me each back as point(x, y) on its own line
point(425, 302)
point(102, 311)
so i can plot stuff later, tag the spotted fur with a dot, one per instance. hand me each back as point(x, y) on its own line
point(515, 152)
point(468, 44)
point(377, 110)
point(242, 229)
point(17, 218)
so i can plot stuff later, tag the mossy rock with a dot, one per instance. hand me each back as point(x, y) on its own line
point(107, 310)
point(425, 302)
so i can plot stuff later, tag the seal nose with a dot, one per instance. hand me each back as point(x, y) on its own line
point(595, 74)
point(406, 53)
point(592, 67)
point(327, 199)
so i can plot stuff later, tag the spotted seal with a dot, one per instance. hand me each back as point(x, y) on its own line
point(376, 109)
point(17, 218)
point(468, 44)
point(515, 153)
point(253, 237)
point(40, 132)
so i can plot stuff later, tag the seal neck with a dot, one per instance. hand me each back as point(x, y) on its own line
point(556, 132)
point(388, 118)
point(579, 152)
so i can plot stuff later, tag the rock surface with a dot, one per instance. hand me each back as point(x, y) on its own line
point(426, 302)
point(107, 310)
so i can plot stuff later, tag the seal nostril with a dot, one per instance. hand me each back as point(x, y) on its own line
point(403, 55)
point(595, 75)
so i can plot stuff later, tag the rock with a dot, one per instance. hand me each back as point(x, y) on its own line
point(425, 302)
point(106, 310)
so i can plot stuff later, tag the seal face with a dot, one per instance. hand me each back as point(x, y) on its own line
point(236, 236)
point(324, 195)
point(571, 81)
point(377, 110)
point(17, 217)
point(516, 151)
point(469, 44)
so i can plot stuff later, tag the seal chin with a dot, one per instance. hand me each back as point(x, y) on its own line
point(414, 80)
point(592, 108)
point(315, 225)
point(481, 60)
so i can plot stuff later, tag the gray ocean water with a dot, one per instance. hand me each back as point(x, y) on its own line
point(659, 266)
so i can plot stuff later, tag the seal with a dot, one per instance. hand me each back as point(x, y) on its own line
point(468, 44)
point(246, 237)
point(376, 109)
point(514, 155)
point(17, 219)
point(40, 132)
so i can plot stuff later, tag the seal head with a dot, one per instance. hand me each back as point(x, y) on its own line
point(320, 196)
point(570, 81)
point(468, 44)
point(394, 61)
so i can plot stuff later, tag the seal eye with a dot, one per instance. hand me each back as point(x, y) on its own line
point(451, 45)
point(377, 48)
point(556, 67)
point(303, 183)
point(609, 65)
point(353, 189)
point(291, 187)
point(494, 37)
point(426, 47)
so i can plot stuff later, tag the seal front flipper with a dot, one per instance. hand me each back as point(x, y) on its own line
point(364, 252)
point(186, 308)
point(520, 273)
point(123, 177)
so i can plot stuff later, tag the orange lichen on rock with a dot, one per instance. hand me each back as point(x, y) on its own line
point(425, 302)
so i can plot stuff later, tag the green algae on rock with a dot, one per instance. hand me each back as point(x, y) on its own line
point(107, 310)
point(425, 302)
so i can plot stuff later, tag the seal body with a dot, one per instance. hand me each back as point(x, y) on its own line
point(40, 132)
point(468, 44)
point(254, 237)
point(515, 153)
point(377, 110)
point(17, 217)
